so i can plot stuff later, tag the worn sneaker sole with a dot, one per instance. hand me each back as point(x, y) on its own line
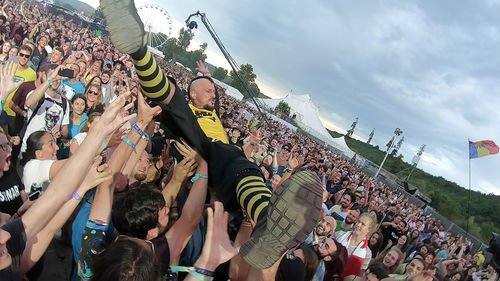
point(124, 24)
point(293, 211)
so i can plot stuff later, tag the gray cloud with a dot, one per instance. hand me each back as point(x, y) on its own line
point(428, 67)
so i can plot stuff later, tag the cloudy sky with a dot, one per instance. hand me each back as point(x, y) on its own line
point(430, 68)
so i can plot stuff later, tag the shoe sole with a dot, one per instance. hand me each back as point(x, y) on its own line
point(293, 212)
point(124, 24)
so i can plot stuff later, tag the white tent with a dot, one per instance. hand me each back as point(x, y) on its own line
point(342, 146)
point(233, 92)
point(307, 116)
point(275, 118)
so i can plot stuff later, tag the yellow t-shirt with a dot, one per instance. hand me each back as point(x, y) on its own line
point(210, 124)
point(29, 75)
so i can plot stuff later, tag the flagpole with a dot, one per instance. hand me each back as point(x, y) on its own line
point(468, 201)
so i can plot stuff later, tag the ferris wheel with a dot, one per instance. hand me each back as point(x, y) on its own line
point(157, 24)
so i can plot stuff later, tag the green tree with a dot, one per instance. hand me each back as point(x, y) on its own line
point(248, 77)
point(65, 5)
point(284, 108)
point(185, 36)
point(171, 49)
point(219, 73)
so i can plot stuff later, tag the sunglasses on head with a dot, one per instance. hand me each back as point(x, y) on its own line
point(6, 146)
point(24, 55)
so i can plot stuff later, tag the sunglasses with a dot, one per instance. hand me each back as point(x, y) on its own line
point(93, 92)
point(24, 55)
point(6, 146)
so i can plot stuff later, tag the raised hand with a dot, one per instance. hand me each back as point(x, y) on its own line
point(114, 116)
point(54, 131)
point(293, 162)
point(200, 66)
point(184, 169)
point(165, 154)
point(217, 248)
point(255, 137)
point(96, 175)
point(117, 137)
point(54, 73)
point(145, 112)
point(7, 84)
point(187, 151)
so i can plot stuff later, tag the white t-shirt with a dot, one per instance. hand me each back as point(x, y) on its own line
point(49, 114)
point(80, 137)
point(37, 171)
point(336, 212)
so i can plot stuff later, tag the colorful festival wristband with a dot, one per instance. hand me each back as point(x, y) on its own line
point(129, 142)
point(198, 176)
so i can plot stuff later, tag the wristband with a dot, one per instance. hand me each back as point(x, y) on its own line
point(129, 142)
point(204, 271)
point(197, 177)
point(145, 137)
point(287, 169)
point(137, 129)
point(200, 276)
point(76, 196)
point(198, 273)
point(103, 145)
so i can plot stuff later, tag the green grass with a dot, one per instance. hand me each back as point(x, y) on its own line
point(448, 198)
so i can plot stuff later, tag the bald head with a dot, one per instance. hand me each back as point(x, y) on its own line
point(202, 93)
point(326, 226)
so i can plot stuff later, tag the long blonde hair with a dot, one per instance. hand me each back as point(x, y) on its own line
point(99, 97)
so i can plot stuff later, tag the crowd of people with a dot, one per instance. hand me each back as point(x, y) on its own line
point(99, 148)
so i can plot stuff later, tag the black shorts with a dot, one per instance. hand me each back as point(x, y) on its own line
point(227, 164)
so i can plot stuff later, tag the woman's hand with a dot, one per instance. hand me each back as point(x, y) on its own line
point(96, 175)
point(7, 84)
point(217, 248)
point(188, 152)
point(184, 169)
point(114, 117)
point(145, 112)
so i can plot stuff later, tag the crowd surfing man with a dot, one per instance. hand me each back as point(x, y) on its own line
point(283, 218)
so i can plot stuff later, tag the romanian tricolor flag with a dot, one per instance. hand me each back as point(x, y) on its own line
point(482, 148)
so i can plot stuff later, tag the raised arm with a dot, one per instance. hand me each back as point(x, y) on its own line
point(62, 186)
point(36, 247)
point(217, 248)
point(38, 93)
point(182, 171)
point(180, 233)
point(7, 84)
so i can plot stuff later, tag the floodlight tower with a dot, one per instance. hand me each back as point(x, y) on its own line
point(397, 133)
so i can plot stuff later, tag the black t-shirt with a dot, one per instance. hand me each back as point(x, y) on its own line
point(390, 233)
point(38, 57)
point(10, 192)
point(15, 247)
point(162, 252)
